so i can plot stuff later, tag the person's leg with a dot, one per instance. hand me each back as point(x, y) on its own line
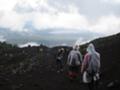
point(70, 73)
point(61, 65)
point(96, 81)
point(96, 84)
point(76, 72)
point(91, 85)
point(58, 65)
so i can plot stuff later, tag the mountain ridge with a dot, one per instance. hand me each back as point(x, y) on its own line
point(34, 67)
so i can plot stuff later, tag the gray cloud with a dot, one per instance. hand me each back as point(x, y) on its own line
point(23, 8)
point(46, 37)
point(91, 8)
point(44, 22)
point(2, 39)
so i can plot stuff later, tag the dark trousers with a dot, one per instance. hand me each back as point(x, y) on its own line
point(93, 85)
point(73, 72)
point(59, 64)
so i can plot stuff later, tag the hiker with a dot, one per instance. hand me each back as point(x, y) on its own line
point(91, 67)
point(74, 61)
point(59, 60)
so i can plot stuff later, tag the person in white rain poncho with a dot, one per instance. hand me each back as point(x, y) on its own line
point(74, 62)
point(91, 67)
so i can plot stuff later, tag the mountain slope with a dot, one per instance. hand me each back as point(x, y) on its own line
point(35, 67)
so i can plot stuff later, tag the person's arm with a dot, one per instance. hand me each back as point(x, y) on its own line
point(84, 63)
point(68, 59)
point(99, 61)
point(80, 57)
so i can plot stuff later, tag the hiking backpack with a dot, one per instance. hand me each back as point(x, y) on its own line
point(93, 64)
point(76, 60)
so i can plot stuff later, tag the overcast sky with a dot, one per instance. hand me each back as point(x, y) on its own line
point(60, 16)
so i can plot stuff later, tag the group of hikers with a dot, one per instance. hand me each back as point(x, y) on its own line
point(86, 67)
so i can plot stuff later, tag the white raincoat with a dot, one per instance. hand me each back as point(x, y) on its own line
point(93, 63)
point(74, 55)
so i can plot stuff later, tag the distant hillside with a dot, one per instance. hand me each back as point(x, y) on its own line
point(109, 48)
point(104, 42)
